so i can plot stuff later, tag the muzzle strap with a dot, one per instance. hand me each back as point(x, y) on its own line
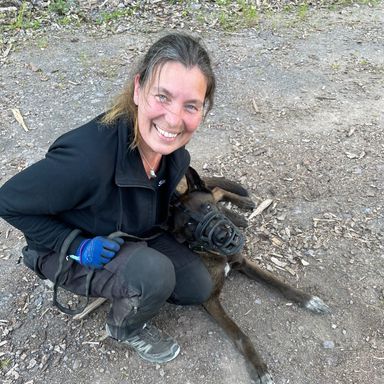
point(215, 232)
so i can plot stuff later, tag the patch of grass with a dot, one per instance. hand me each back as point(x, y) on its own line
point(65, 20)
point(106, 17)
point(335, 66)
point(345, 3)
point(5, 363)
point(61, 7)
point(19, 22)
point(240, 14)
point(250, 13)
point(24, 19)
point(302, 12)
point(42, 43)
point(223, 2)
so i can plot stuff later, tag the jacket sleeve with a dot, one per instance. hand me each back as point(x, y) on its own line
point(32, 200)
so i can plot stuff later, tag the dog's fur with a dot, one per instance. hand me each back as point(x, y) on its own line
point(195, 193)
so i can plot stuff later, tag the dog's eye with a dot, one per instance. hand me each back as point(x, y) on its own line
point(207, 207)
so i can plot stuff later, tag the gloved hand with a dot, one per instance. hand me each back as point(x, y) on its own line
point(96, 252)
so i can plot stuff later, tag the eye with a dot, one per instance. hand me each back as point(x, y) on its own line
point(208, 207)
point(191, 108)
point(161, 98)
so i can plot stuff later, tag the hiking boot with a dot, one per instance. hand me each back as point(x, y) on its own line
point(151, 344)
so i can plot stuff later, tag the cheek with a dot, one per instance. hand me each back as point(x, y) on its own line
point(148, 110)
point(192, 123)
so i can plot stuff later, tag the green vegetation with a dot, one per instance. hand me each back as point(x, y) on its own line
point(228, 15)
point(106, 17)
point(5, 364)
point(24, 19)
point(303, 11)
point(61, 7)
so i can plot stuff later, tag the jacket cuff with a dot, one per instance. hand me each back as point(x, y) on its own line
point(76, 244)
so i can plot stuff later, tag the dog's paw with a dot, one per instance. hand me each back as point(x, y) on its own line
point(266, 378)
point(260, 375)
point(315, 304)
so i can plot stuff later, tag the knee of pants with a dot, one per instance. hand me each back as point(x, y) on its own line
point(195, 286)
point(151, 274)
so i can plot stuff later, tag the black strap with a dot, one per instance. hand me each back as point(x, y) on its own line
point(61, 272)
point(64, 268)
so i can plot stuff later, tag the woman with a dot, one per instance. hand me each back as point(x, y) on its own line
point(118, 173)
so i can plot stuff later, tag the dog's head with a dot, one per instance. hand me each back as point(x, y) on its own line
point(196, 220)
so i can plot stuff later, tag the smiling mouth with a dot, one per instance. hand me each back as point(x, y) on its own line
point(168, 135)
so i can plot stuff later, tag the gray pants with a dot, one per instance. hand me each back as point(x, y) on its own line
point(137, 281)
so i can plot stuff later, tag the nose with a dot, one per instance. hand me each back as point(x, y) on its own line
point(174, 116)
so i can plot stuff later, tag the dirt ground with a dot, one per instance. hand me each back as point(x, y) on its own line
point(298, 119)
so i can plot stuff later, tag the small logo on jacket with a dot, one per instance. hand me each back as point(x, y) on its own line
point(161, 182)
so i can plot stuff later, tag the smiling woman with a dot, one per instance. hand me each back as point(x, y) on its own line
point(118, 173)
point(169, 109)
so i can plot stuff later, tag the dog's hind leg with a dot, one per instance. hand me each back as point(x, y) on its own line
point(227, 185)
point(253, 271)
point(256, 367)
point(220, 194)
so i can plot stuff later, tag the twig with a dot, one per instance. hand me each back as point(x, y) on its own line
point(19, 118)
point(91, 307)
point(255, 107)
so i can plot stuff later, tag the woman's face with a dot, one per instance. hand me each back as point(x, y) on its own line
point(170, 107)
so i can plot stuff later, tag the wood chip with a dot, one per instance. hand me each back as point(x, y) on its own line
point(304, 262)
point(6, 52)
point(290, 270)
point(351, 155)
point(255, 107)
point(276, 241)
point(260, 208)
point(279, 263)
point(19, 118)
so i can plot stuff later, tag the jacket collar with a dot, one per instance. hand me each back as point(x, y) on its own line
point(129, 169)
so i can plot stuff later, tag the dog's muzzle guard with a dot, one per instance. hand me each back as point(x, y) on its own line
point(213, 231)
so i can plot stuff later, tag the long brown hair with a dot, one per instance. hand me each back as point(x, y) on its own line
point(178, 47)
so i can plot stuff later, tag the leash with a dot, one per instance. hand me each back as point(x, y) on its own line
point(64, 268)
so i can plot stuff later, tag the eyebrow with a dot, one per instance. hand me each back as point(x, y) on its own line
point(167, 93)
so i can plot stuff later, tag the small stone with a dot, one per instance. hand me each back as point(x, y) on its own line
point(76, 364)
point(32, 363)
point(328, 344)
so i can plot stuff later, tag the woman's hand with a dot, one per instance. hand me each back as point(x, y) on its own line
point(96, 252)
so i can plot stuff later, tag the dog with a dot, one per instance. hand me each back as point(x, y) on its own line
point(212, 232)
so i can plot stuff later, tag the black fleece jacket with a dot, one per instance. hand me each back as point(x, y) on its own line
point(92, 181)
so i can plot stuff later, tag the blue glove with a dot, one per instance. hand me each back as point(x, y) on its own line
point(96, 252)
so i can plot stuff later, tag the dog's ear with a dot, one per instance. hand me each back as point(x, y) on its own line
point(194, 182)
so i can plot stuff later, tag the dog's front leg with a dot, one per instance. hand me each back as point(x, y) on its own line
point(256, 366)
point(252, 270)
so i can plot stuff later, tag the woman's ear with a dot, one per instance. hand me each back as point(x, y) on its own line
point(136, 90)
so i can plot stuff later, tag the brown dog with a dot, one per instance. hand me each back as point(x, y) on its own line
point(196, 219)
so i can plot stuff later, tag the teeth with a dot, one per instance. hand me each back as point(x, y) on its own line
point(165, 133)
